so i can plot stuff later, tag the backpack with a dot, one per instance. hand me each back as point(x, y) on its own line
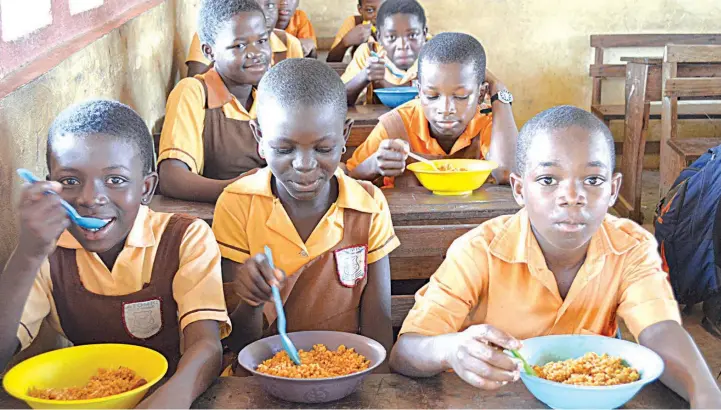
point(688, 230)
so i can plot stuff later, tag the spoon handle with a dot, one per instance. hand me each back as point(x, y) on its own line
point(32, 179)
point(421, 159)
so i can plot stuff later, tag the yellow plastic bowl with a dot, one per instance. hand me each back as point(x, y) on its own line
point(453, 182)
point(74, 366)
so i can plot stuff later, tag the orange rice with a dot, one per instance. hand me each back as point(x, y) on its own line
point(589, 370)
point(317, 363)
point(103, 384)
point(450, 168)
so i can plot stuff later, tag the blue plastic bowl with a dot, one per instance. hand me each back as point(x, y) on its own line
point(393, 97)
point(541, 350)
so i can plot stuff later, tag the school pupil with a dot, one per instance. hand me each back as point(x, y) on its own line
point(330, 234)
point(206, 142)
point(162, 268)
point(446, 121)
point(402, 30)
point(295, 22)
point(575, 267)
point(282, 44)
point(355, 30)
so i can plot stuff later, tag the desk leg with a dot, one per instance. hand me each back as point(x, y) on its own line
point(634, 143)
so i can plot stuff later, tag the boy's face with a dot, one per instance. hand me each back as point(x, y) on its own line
point(450, 96)
point(270, 9)
point(285, 12)
point(567, 188)
point(242, 49)
point(302, 146)
point(368, 9)
point(402, 36)
point(102, 177)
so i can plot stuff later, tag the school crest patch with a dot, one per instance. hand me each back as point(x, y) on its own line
point(143, 319)
point(351, 264)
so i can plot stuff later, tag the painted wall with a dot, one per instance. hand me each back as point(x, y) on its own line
point(137, 64)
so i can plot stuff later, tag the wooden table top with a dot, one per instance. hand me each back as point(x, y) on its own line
point(643, 60)
point(367, 114)
point(407, 206)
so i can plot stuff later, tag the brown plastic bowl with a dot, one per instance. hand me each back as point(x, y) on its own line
point(311, 390)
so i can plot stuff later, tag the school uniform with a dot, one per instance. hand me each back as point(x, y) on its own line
point(359, 62)
point(496, 274)
point(326, 274)
point(207, 128)
point(301, 27)
point(282, 44)
point(409, 123)
point(166, 277)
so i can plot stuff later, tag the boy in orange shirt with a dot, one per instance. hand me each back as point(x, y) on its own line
point(206, 142)
point(297, 23)
point(330, 234)
point(145, 278)
point(561, 265)
point(355, 31)
point(282, 44)
point(447, 121)
point(402, 31)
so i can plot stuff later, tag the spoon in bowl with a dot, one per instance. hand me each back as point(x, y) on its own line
point(284, 339)
point(421, 159)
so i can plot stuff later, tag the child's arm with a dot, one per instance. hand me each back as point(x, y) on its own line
point(686, 371)
point(178, 181)
point(389, 160)
point(357, 36)
point(309, 49)
point(198, 368)
point(375, 308)
point(42, 220)
point(504, 134)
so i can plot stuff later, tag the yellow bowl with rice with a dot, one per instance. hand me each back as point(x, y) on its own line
point(454, 177)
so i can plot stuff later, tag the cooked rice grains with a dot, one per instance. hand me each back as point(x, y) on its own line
point(104, 383)
point(317, 363)
point(589, 370)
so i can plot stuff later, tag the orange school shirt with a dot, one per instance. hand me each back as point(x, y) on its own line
point(293, 48)
point(248, 216)
point(496, 274)
point(301, 27)
point(197, 286)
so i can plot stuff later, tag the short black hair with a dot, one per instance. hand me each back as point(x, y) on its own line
point(557, 118)
point(449, 48)
point(106, 118)
point(393, 7)
point(297, 82)
point(214, 13)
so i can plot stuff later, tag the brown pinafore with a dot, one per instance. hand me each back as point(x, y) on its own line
point(314, 297)
point(88, 318)
point(395, 128)
point(228, 145)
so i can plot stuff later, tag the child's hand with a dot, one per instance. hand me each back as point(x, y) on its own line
point(477, 357)
point(359, 35)
point(254, 280)
point(308, 46)
point(391, 157)
point(375, 69)
point(42, 218)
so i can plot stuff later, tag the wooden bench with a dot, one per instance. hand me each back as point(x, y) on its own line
point(677, 154)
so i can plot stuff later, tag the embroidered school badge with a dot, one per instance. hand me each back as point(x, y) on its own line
point(351, 264)
point(143, 319)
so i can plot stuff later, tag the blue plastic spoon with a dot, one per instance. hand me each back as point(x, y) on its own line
point(388, 66)
point(81, 221)
point(287, 343)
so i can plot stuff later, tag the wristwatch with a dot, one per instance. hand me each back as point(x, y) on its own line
point(503, 96)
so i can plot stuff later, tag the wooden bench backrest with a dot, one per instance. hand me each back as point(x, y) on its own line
point(599, 71)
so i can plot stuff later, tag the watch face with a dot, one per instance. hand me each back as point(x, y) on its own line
point(505, 96)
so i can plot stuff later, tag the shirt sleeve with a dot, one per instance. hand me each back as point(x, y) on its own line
point(646, 294)
point(345, 28)
point(305, 28)
point(357, 64)
point(382, 239)
point(486, 134)
point(443, 305)
point(196, 53)
point(295, 49)
point(37, 307)
point(198, 284)
point(229, 222)
point(368, 147)
point(182, 135)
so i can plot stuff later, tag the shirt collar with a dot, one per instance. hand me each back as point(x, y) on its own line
point(141, 234)
point(220, 96)
point(420, 128)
